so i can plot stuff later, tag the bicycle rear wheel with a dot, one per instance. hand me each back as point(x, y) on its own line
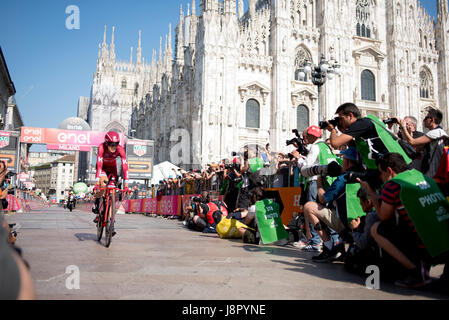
point(111, 219)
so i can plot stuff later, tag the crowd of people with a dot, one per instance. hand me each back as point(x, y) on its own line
point(374, 193)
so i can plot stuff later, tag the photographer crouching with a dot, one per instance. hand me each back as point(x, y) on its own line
point(318, 154)
point(335, 203)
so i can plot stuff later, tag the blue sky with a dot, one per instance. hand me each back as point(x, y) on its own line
point(52, 66)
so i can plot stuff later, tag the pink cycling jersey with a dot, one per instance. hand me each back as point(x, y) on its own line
point(107, 162)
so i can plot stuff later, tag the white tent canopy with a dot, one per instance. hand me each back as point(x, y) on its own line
point(163, 171)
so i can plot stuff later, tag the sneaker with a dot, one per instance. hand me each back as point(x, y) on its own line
point(414, 279)
point(312, 248)
point(96, 219)
point(328, 255)
point(95, 210)
point(301, 244)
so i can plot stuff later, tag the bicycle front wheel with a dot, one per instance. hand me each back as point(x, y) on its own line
point(100, 226)
point(111, 220)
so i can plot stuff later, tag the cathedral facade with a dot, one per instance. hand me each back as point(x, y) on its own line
point(234, 76)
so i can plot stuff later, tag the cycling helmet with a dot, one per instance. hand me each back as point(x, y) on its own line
point(112, 136)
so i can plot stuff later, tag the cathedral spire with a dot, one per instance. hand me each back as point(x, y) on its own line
point(131, 58)
point(193, 8)
point(104, 50)
point(252, 8)
point(139, 49)
point(112, 48)
point(442, 8)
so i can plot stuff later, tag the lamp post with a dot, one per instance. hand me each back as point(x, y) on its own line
point(326, 70)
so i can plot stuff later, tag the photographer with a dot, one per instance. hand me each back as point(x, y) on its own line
point(432, 141)
point(234, 178)
point(251, 169)
point(372, 138)
point(335, 204)
point(414, 224)
point(319, 154)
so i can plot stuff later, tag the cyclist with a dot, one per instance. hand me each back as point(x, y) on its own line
point(107, 165)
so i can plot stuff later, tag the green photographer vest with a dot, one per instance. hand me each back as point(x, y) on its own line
point(353, 208)
point(326, 157)
point(427, 208)
point(269, 220)
point(387, 139)
point(255, 164)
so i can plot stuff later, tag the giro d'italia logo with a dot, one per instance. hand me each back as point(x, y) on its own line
point(4, 142)
point(140, 150)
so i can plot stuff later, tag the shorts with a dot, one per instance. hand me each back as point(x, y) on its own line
point(106, 174)
point(330, 218)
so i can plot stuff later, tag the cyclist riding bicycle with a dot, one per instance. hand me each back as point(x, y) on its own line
point(107, 165)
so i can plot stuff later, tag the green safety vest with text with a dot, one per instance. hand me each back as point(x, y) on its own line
point(271, 227)
point(392, 145)
point(427, 208)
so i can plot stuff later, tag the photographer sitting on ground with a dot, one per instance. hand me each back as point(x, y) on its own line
point(414, 220)
point(341, 195)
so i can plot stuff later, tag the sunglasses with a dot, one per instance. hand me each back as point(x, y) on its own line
point(113, 144)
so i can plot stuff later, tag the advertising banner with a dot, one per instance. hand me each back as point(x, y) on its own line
point(68, 147)
point(149, 205)
point(140, 154)
point(63, 137)
point(169, 205)
point(291, 198)
point(135, 206)
point(9, 148)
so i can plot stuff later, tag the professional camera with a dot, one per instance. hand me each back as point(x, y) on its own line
point(198, 200)
point(298, 143)
point(324, 124)
point(372, 177)
point(391, 121)
point(333, 169)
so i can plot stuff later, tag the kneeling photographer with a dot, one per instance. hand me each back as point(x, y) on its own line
point(318, 154)
point(336, 203)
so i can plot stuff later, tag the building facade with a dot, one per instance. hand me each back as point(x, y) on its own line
point(7, 91)
point(233, 76)
point(55, 179)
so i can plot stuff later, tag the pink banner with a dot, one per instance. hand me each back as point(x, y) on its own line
point(68, 147)
point(64, 137)
point(149, 205)
point(169, 205)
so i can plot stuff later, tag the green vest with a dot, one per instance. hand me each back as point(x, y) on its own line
point(387, 139)
point(427, 208)
point(327, 156)
point(353, 207)
point(269, 220)
point(255, 164)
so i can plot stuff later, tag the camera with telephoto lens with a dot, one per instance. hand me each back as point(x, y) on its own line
point(333, 169)
point(300, 146)
point(391, 121)
point(324, 124)
point(372, 177)
point(198, 200)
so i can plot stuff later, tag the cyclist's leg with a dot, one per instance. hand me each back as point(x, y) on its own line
point(98, 196)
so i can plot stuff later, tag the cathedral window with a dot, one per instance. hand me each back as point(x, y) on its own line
point(363, 18)
point(252, 114)
point(368, 83)
point(302, 56)
point(136, 88)
point(124, 84)
point(426, 84)
point(302, 118)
